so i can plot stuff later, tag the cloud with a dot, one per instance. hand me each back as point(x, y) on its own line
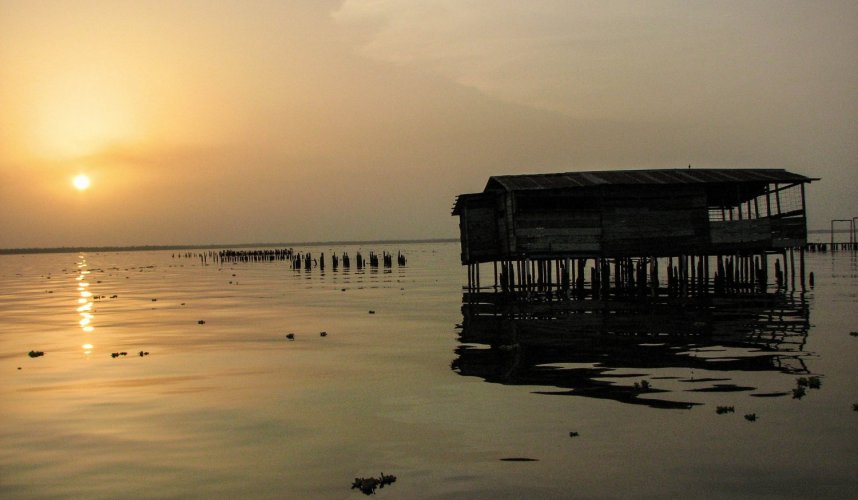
point(615, 60)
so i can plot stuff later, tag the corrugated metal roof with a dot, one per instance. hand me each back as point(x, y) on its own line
point(463, 198)
point(643, 177)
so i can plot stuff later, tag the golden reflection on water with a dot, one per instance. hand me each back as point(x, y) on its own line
point(85, 302)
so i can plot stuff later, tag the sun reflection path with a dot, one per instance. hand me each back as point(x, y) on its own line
point(85, 303)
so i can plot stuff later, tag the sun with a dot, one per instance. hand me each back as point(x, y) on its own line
point(81, 182)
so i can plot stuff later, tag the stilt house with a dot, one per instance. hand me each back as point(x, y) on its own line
point(632, 213)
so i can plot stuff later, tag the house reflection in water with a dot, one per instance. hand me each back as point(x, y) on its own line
point(661, 353)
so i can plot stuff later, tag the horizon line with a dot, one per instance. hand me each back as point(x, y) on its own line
point(210, 246)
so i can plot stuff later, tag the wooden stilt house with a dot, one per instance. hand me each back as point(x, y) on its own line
point(633, 213)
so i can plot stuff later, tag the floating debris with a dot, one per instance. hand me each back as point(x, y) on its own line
point(854, 334)
point(35, 354)
point(573, 434)
point(724, 409)
point(371, 311)
point(808, 382)
point(143, 353)
point(751, 417)
point(643, 386)
point(290, 336)
point(368, 485)
point(117, 354)
point(201, 322)
point(154, 300)
point(799, 392)
point(519, 459)
point(323, 334)
point(854, 405)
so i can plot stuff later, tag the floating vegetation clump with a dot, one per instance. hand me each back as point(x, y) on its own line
point(724, 409)
point(368, 485)
point(751, 417)
point(804, 383)
point(36, 354)
point(643, 386)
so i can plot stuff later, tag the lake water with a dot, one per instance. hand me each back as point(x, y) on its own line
point(231, 408)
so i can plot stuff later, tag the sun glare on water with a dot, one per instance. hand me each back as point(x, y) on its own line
point(81, 182)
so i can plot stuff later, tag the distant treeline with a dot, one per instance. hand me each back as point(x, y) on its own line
point(149, 248)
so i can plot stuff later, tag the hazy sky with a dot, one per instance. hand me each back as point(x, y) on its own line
point(265, 121)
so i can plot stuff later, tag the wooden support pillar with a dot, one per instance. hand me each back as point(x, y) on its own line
point(618, 275)
point(701, 278)
point(776, 268)
point(753, 272)
point(566, 275)
point(693, 266)
point(582, 266)
point(792, 267)
point(801, 265)
point(470, 277)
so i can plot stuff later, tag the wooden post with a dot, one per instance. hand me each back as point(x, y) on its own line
point(801, 265)
point(701, 279)
point(566, 273)
point(792, 267)
point(470, 278)
point(778, 274)
point(693, 269)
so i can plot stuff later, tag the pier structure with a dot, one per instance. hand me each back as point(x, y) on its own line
point(297, 260)
point(599, 234)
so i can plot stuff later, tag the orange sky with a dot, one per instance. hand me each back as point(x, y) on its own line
point(268, 121)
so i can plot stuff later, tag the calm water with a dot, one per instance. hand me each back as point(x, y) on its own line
point(231, 408)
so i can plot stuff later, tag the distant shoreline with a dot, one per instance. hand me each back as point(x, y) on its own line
point(142, 248)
